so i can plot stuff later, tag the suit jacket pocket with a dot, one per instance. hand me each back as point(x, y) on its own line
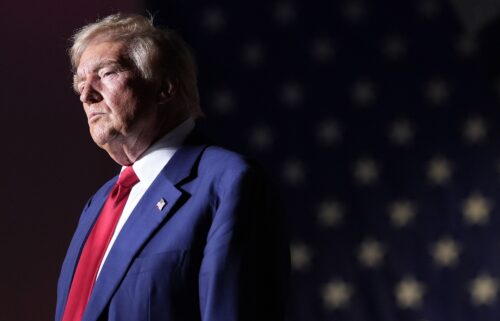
point(150, 288)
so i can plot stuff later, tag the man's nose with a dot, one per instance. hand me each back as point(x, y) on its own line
point(90, 95)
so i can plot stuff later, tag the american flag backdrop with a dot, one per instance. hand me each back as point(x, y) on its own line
point(382, 137)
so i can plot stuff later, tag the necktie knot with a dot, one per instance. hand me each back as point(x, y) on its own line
point(127, 178)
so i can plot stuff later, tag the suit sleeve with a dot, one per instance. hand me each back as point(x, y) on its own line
point(245, 267)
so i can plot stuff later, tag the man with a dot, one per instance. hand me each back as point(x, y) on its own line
point(188, 230)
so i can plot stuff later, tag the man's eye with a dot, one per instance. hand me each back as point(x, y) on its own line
point(107, 73)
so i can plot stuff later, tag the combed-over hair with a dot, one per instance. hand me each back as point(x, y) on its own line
point(159, 54)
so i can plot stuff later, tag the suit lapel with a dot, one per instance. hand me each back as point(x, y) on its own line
point(86, 223)
point(142, 223)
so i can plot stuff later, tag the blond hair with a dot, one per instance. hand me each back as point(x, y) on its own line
point(159, 54)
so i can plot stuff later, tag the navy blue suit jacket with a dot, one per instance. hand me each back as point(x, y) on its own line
point(215, 252)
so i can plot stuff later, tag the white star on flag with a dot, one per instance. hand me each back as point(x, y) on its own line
point(366, 171)
point(337, 294)
point(292, 94)
point(401, 132)
point(445, 252)
point(437, 92)
point(439, 170)
point(253, 54)
point(371, 253)
point(261, 137)
point(483, 289)
point(322, 50)
point(300, 256)
point(294, 172)
point(363, 93)
point(213, 19)
point(223, 101)
point(401, 212)
point(429, 8)
point(475, 130)
point(354, 10)
point(285, 12)
point(476, 209)
point(409, 293)
point(328, 132)
point(394, 47)
point(330, 213)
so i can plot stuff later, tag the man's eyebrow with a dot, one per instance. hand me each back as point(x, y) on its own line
point(101, 64)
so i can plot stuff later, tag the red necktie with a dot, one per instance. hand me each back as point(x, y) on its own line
point(96, 245)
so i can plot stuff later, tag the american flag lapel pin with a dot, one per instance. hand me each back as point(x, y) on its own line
point(161, 204)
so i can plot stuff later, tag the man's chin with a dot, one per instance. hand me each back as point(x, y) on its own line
point(101, 140)
point(102, 135)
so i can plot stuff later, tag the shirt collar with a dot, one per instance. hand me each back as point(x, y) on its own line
point(149, 165)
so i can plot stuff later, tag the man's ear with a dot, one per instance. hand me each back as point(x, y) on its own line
point(166, 93)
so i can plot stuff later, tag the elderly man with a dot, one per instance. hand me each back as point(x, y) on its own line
point(187, 230)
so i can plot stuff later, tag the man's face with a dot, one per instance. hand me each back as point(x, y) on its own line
point(117, 102)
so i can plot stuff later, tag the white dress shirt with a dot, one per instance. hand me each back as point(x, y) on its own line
point(147, 167)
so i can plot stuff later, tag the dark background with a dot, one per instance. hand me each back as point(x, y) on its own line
point(353, 107)
point(50, 166)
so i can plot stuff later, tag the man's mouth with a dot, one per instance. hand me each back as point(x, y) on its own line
point(94, 115)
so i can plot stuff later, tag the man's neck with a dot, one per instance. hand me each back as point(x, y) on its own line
point(126, 151)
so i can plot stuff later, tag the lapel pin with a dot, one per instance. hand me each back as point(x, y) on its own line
point(161, 204)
